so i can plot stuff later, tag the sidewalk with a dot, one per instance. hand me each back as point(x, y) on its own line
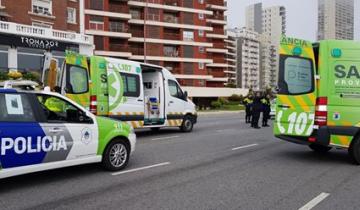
point(204, 113)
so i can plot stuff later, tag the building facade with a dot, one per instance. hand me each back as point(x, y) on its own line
point(185, 36)
point(336, 19)
point(31, 28)
point(231, 56)
point(248, 59)
point(253, 17)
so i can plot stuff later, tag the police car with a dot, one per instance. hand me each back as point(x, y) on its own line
point(42, 130)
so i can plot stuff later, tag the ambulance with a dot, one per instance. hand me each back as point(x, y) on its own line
point(318, 101)
point(144, 95)
point(43, 130)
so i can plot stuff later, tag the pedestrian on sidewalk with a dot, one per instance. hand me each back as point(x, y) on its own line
point(256, 111)
point(248, 102)
point(266, 108)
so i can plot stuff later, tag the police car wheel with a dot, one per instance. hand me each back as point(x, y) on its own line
point(116, 155)
point(187, 124)
point(319, 148)
point(354, 151)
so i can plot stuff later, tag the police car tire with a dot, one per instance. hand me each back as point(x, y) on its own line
point(187, 124)
point(106, 162)
point(354, 151)
point(319, 148)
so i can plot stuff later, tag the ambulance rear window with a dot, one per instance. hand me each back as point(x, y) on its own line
point(16, 108)
point(296, 75)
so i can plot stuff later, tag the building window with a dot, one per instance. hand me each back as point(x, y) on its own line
point(42, 7)
point(41, 24)
point(201, 33)
point(96, 23)
point(201, 1)
point(201, 16)
point(3, 58)
point(97, 4)
point(188, 36)
point(30, 59)
point(71, 15)
point(201, 49)
point(201, 65)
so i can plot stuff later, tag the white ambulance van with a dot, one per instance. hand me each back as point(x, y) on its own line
point(144, 95)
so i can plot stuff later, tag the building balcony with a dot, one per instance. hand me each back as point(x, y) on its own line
point(169, 59)
point(217, 65)
point(168, 5)
point(157, 22)
point(170, 42)
point(215, 21)
point(46, 33)
point(120, 15)
point(108, 34)
point(216, 7)
point(215, 36)
point(113, 54)
point(216, 50)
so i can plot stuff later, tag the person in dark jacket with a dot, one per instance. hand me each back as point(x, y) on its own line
point(266, 108)
point(248, 101)
point(256, 111)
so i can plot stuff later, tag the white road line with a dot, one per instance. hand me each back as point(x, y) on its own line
point(243, 147)
point(165, 138)
point(140, 169)
point(315, 201)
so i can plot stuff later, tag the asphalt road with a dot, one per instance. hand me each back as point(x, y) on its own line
point(222, 164)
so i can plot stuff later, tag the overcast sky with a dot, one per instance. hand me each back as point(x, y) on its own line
point(301, 16)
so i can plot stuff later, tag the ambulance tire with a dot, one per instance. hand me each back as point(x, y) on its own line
point(117, 149)
point(354, 150)
point(319, 148)
point(187, 124)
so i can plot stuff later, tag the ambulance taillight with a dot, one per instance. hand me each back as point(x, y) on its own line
point(321, 111)
point(93, 104)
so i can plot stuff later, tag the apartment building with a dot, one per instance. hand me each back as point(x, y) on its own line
point(248, 58)
point(30, 28)
point(231, 56)
point(253, 17)
point(185, 36)
point(336, 19)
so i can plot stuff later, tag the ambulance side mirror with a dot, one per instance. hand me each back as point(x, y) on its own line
point(186, 95)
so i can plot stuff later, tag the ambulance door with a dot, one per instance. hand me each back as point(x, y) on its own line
point(176, 101)
point(125, 90)
point(296, 99)
point(76, 79)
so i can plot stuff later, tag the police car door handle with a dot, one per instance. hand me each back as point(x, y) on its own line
point(55, 130)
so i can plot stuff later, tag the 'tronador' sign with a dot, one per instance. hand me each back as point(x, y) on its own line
point(34, 42)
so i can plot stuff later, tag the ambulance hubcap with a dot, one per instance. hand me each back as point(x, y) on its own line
point(118, 155)
point(187, 124)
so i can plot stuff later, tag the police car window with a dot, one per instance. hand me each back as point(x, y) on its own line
point(16, 108)
point(77, 79)
point(297, 75)
point(58, 110)
point(131, 83)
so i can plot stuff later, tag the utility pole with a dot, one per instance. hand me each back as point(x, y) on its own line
point(145, 29)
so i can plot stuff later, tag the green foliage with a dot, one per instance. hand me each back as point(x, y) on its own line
point(30, 76)
point(216, 104)
point(3, 76)
point(223, 101)
point(236, 98)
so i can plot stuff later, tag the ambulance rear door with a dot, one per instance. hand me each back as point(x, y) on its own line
point(296, 99)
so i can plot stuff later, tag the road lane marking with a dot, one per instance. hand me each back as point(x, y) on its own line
point(243, 147)
point(165, 138)
point(140, 169)
point(315, 201)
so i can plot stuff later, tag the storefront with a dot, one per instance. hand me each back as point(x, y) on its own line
point(25, 49)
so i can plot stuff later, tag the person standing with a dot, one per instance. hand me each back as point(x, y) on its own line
point(256, 111)
point(266, 110)
point(248, 101)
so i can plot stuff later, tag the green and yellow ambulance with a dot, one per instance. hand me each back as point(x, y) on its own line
point(143, 95)
point(318, 101)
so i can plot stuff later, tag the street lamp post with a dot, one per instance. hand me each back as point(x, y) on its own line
point(145, 29)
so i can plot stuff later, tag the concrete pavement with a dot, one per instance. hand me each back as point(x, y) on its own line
point(222, 164)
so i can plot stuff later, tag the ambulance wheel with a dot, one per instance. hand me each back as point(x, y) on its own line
point(187, 124)
point(116, 155)
point(319, 148)
point(354, 151)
